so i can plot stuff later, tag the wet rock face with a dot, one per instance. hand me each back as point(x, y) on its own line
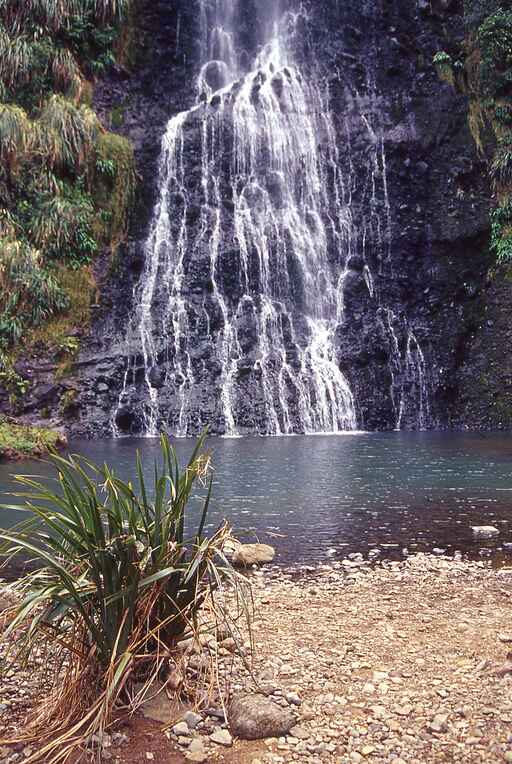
point(415, 268)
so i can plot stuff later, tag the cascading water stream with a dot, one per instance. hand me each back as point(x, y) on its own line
point(288, 293)
point(249, 249)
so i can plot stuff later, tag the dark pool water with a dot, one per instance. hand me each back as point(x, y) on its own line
point(318, 498)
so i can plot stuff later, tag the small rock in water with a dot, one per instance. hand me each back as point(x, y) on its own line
point(485, 531)
point(253, 554)
point(438, 551)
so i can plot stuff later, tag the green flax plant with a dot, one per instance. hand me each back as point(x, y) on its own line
point(119, 581)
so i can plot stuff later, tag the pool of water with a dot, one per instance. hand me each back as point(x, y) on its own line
point(322, 497)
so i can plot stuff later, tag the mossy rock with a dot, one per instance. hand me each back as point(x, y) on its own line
point(114, 191)
point(19, 441)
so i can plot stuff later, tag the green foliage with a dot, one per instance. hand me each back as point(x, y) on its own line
point(66, 133)
point(13, 382)
point(48, 45)
point(16, 135)
point(501, 232)
point(501, 166)
point(19, 440)
point(123, 573)
point(68, 345)
point(54, 166)
point(488, 82)
point(495, 43)
point(503, 114)
point(106, 167)
point(100, 544)
point(62, 225)
point(452, 68)
point(68, 403)
point(29, 293)
point(114, 189)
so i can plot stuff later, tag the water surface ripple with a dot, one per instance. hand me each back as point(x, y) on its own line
point(322, 497)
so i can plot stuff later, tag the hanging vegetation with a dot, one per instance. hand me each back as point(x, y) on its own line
point(482, 70)
point(66, 185)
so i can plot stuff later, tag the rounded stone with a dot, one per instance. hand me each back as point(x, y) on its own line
point(254, 717)
point(253, 554)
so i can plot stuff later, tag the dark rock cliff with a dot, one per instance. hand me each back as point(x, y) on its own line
point(426, 232)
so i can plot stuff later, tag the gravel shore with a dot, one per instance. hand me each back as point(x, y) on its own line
point(390, 662)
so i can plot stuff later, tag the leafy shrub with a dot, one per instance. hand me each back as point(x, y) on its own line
point(503, 114)
point(106, 167)
point(62, 225)
point(495, 42)
point(60, 16)
point(501, 232)
point(28, 441)
point(66, 187)
point(114, 189)
point(501, 166)
point(66, 73)
point(121, 581)
point(29, 294)
point(13, 382)
point(66, 133)
point(444, 65)
point(16, 59)
point(16, 135)
point(489, 79)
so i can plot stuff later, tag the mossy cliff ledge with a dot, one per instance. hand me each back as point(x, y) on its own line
point(21, 441)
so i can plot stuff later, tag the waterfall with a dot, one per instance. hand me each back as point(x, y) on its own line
point(269, 211)
point(410, 393)
point(242, 296)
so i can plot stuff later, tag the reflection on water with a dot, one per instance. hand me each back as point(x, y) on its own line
point(311, 495)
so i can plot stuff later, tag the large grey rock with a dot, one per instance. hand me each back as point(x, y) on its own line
point(253, 554)
point(254, 717)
